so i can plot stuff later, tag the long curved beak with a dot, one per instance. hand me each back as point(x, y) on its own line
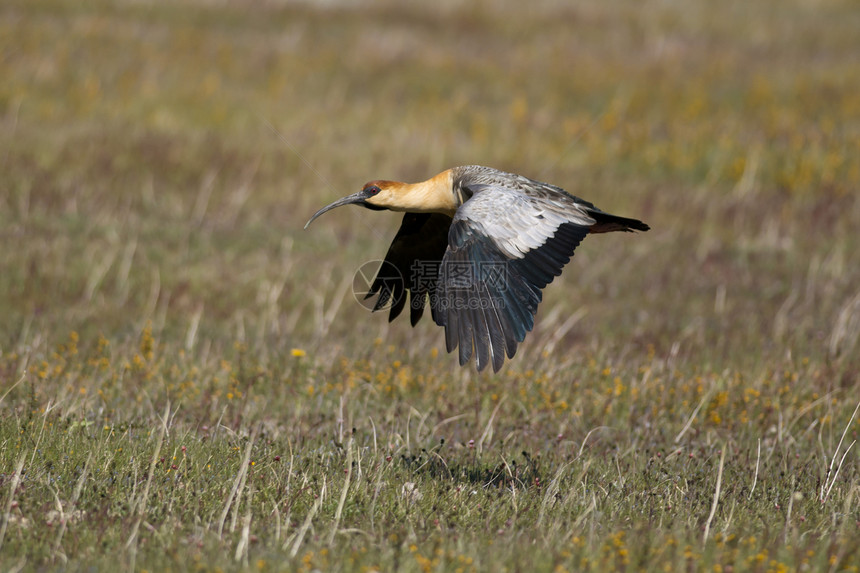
point(348, 200)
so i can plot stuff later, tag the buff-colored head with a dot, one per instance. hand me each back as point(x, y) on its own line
point(431, 196)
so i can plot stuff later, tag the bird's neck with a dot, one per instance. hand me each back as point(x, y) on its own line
point(436, 195)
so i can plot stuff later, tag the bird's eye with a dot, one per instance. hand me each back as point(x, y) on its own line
point(373, 190)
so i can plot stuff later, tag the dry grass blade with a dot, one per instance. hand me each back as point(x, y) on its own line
point(717, 489)
point(487, 434)
point(241, 554)
point(846, 331)
point(755, 476)
point(12, 387)
point(339, 512)
point(238, 485)
point(139, 508)
point(13, 487)
point(306, 524)
point(692, 417)
point(551, 491)
point(64, 519)
point(830, 478)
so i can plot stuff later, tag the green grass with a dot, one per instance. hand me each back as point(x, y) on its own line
point(186, 382)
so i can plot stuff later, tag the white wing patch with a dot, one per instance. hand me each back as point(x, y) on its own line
point(515, 222)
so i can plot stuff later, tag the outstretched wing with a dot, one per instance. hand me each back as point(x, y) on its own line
point(416, 254)
point(504, 246)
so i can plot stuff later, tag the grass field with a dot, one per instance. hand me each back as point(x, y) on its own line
point(187, 384)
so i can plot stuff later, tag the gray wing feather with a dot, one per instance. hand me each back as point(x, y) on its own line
point(503, 248)
point(516, 222)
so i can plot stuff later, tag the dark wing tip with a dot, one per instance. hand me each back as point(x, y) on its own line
point(639, 225)
point(417, 300)
point(607, 223)
point(398, 302)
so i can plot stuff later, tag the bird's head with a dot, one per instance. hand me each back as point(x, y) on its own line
point(431, 196)
point(375, 195)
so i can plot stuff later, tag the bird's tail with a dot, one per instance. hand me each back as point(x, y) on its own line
point(606, 223)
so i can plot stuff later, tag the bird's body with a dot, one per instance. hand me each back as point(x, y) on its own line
point(482, 243)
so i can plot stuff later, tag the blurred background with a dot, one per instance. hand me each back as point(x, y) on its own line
point(158, 161)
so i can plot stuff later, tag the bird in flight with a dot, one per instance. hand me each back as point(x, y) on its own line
point(480, 244)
